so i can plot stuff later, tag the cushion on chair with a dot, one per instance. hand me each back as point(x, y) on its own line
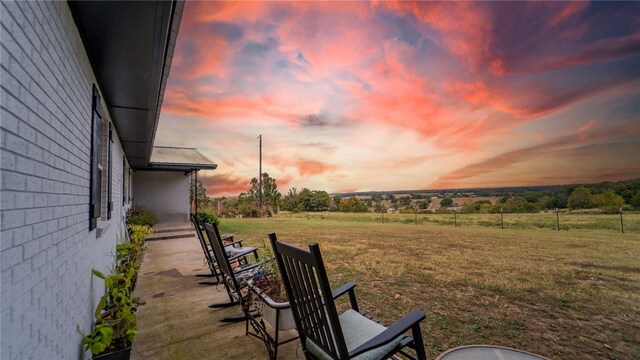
point(357, 330)
point(235, 250)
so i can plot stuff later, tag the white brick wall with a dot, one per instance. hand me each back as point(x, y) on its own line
point(47, 252)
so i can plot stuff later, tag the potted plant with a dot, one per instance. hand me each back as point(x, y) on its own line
point(116, 323)
point(271, 299)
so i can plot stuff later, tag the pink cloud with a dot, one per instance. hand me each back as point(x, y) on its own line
point(304, 167)
point(444, 77)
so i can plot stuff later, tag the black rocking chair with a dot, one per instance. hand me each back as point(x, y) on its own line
point(231, 277)
point(234, 247)
point(323, 333)
point(236, 282)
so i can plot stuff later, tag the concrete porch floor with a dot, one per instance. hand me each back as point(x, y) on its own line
point(176, 322)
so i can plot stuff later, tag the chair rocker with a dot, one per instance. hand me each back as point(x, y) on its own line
point(323, 333)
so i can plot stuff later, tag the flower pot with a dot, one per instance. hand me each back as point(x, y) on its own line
point(122, 354)
point(272, 311)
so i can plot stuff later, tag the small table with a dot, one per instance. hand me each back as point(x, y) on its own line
point(487, 352)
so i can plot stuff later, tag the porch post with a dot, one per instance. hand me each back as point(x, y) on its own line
point(195, 196)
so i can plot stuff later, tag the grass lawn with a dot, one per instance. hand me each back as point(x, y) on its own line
point(562, 294)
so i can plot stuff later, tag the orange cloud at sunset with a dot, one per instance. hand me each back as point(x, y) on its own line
point(387, 95)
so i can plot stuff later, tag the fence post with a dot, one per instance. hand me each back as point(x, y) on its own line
point(415, 214)
point(621, 222)
point(501, 219)
point(558, 219)
point(455, 219)
point(382, 213)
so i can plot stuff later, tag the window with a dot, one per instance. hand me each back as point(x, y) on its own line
point(95, 172)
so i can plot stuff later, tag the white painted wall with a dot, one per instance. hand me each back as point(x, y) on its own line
point(165, 193)
point(47, 253)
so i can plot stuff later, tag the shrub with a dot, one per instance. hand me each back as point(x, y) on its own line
point(138, 215)
point(207, 217)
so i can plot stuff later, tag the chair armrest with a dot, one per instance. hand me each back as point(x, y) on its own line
point(234, 243)
point(398, 328)
point(244, 253)
point(246, 267)
point(344, 289)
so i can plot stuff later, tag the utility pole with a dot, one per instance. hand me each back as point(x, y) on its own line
point(260, 177)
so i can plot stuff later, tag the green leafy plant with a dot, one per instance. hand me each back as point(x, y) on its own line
point(139, 215)
point(207, 217)
point(99, 339)
point(116, 321)
point(137, 233)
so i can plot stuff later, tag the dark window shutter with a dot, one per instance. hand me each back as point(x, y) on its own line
point(109, 175)
point(130, 187)
point(124, 181)
point(95, 181)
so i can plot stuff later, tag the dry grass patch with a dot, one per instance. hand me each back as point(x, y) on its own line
point(560, 294)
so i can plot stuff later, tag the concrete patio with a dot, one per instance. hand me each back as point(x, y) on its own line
point(176, 322)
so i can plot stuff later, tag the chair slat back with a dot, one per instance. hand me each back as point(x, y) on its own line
point(221, 255)
point(310, 297)
point(202, 241)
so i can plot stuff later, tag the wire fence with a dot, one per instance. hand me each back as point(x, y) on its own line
point(621, 223)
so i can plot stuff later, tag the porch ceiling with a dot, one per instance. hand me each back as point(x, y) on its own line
point(130, 45)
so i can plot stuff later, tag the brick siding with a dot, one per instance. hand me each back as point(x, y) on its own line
point(47, 251)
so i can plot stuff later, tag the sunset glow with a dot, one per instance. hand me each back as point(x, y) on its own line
point(398, 95)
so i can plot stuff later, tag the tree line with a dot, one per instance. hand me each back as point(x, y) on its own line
point(608, 197)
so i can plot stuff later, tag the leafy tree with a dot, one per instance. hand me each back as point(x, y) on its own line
point(270, 194)
point(202, 193)
point(635, 201)
point(306, 200)
point(379, 207)
point(580, 198)
point(519, 204)
point(405, 200)
point(424, 204)
point(608, 201)
point(336, 202)
point(290, 201)
point(392, 199)
point(352, 204)
point(446, 202)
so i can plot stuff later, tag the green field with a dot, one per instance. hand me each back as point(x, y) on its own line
point(563, 294)
point(568, 221)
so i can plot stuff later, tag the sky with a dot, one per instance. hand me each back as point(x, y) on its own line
point(361, 96)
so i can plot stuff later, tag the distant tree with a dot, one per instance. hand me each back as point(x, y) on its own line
point(376, 198)
point(405, 200)
point(391, 198)
point(379, 207)
point(336, 202)
point(352, 204)
point(270, 194)
point(635, 201)
point(446, 202)
point(423, 204)
point(580, 198)
point(608, 201)
point(203, 199)
point(519, 204)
